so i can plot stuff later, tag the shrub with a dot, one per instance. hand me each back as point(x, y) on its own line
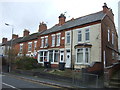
point(26, 63)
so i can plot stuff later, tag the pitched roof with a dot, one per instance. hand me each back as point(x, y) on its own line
point(30, 37)
point(14, 41)
point(69, 24)
point(76, 22)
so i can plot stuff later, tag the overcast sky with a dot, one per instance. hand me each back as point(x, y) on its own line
point(27, 14)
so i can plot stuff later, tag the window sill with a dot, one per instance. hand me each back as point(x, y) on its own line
point(67, 44)
point(87, 41)
point(57, 45)
point(82, 63)
point(29, 51)
point(54, 62)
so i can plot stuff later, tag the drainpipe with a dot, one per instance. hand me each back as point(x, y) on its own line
point(72, 67)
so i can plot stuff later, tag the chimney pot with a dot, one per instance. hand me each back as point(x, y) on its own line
point(105, 8)
point(26, 32)
point(42, 27)
point(14, 36)
point(62, 19)
point(4, 40)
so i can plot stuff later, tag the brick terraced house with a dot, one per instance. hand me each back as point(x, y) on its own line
point(89, 41)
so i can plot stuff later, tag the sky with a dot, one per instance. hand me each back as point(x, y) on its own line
point(27, 14)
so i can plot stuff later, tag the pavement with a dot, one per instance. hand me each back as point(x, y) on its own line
point(59, 84)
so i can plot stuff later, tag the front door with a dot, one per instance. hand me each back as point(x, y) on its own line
point(68, 59)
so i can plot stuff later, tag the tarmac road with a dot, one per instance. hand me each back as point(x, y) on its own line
point(9, 81)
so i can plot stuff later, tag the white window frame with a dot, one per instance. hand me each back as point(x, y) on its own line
point(108, 35)
point(68, 43)
point(42, 42)
point(35, 45)
point(53, 40)
point(79, 34)
point(46, 41)
point(87, 31)
point(58, 39)
point(83, 62)
point(53, 62)
point(62, 54)
point(21, 49)
point(113, 38)
point(43, 56)
point(29, 48)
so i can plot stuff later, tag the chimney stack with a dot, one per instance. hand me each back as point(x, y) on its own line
point(14, 36)
point(62, 19)
point(26, 32)
point(105, 8)
point(4, 40)
point(42, 27)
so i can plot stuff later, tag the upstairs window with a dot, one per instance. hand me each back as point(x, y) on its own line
point(30, 46)
point(35, 45)
point(113, 38)
point(108, 35)
point(87, 35)
point(46, 41)
point(21, 48)
point(79, 36)
point(68, 38)
point(53, 40)
point(58, 39)
point(42, 42)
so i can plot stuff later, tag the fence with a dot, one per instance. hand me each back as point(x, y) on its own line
point(86, 80)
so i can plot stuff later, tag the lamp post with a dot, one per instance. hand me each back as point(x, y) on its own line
point(11, 46)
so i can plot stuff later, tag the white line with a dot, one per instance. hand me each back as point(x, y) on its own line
point(9, 85)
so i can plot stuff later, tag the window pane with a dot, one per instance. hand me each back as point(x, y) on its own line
point(86, 57)
point(56, 56)
point(79, 57)
point(41, 59)
point(41, 53)
point(61, 57)
point(45, 53)
point(51, 56)
point(79, 36)
point(87, 35)
point(68, 37)
point(53, 40)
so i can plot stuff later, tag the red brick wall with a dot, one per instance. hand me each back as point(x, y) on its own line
point(50, 40)
point(106, 23)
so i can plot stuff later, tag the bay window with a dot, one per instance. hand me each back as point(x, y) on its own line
point(56, 56)
point(82, 55)
point(43, 56)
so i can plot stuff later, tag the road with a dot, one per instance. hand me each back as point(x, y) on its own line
point(9, 81)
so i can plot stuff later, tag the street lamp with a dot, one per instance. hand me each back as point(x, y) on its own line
point(10, 45)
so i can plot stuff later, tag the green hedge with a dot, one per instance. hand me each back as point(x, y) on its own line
point(26, 63)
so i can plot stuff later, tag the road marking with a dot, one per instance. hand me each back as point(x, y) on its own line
point(10, 86)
